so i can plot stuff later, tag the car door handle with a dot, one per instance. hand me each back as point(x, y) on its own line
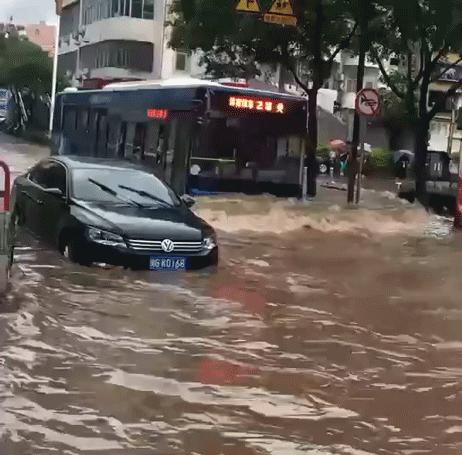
point(37, 201)
point(26, 194)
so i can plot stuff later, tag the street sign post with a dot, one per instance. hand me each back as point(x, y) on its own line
point(248, 6)
point(281, 12)
point(368, 104)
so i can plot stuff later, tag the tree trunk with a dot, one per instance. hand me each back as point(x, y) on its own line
point(312, 142)
point(422, 136)
point(420, 149)
point(318, 78)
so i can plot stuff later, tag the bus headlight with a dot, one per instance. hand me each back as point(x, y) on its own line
point(105, 238)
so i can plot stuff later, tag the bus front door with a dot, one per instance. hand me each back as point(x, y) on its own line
point(177, 166)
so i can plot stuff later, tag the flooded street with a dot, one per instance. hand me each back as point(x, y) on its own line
point(323, 331)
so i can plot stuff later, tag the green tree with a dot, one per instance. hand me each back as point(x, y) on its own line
point(25, 70)
point(233, 44)
point(423, 32)
point(24, 65)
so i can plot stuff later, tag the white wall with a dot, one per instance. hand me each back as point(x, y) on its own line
point(118, 73)
point(326, 99)
point(122, 28)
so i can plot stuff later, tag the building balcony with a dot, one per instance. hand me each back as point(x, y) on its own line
point(113, 29)
point(110, 72)
point(354, 61)
point(123, 29)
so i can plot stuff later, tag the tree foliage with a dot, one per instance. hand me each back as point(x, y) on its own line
point(422, 33)
point(23, 65)
point(237, 42)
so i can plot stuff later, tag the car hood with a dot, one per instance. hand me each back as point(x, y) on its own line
point(150, 223)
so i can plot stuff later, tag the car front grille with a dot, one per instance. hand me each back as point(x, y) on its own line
point(156, 246)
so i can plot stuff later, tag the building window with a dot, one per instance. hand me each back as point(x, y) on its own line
point(137, 8)
point(351, 85)
point(439, 97)
point(97, 10)
point(148, 9)
point(181, 59)
point(115, 8)
point(122, 58)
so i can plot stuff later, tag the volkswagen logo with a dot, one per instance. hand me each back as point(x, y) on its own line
point(167, 246)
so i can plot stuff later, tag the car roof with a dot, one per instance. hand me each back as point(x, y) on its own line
point(86, 162)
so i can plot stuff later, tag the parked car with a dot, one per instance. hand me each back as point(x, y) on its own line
point(107, 211)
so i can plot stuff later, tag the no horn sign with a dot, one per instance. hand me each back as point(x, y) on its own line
point(368, 102)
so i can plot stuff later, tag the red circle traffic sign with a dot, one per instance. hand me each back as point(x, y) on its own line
point(368, 102)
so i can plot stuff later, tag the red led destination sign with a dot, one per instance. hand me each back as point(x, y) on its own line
point(159, 114)
point(257, 104)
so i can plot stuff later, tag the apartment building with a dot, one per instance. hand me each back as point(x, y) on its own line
point(43, 35)
point(444, 136)
point(109, 40)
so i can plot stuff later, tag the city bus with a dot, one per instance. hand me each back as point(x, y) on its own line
point(199, 136)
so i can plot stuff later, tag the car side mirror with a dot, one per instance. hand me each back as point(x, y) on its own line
point(55, 192)
point(188, 200)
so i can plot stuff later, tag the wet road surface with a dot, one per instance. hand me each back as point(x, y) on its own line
point(323, 331)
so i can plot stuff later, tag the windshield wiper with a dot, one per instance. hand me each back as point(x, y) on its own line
point(146, 194)
point(114, 193)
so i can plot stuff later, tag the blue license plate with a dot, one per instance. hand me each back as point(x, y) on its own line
point(167, 263)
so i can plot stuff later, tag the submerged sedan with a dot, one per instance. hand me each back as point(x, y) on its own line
point(95, 210)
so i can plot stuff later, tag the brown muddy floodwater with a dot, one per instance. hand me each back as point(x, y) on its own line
point(323, 331)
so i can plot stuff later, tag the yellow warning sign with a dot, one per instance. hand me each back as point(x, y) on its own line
point(248, 6)
point(282, 7)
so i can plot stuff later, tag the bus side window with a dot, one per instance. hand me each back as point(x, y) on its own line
point(122, 140)
point(101, 134)
point(69, 119)
point(139, 141)
point(83, 120)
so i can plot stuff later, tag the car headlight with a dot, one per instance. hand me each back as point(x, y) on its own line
point(210, 242)
point(105, 238)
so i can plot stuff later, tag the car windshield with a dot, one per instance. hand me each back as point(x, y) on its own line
point(119, 186)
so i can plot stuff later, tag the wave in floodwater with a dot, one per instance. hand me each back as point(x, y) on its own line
point(269, 215)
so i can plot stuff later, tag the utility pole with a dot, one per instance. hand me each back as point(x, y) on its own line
point(166, 6)
point(77, 59)
point(452, 125)
point(363, 47)
point(55, 76)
